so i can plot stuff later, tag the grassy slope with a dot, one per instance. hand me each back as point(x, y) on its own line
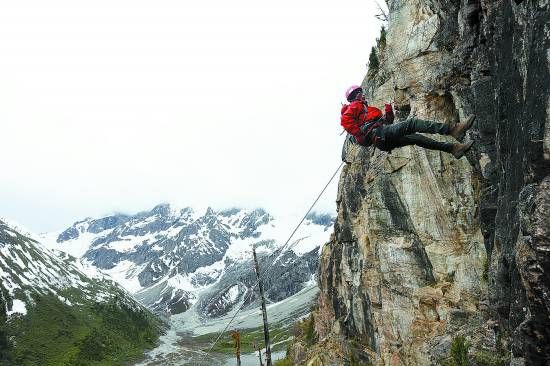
point(53, 333)
point(248, 336)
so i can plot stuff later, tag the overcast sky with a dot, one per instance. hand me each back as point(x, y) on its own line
point(116, 106)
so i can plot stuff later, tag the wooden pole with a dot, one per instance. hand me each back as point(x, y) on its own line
point(236, 335)
point(259, 349)
point(264, 312)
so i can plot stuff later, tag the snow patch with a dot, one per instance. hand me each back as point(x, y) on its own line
point(173, 231)
point(76, 247)
point(125, 273)
point(127, 243)
point(90, 270)
point(19, 307)
point(233, 294)
point(213, 270)
point(181, 282)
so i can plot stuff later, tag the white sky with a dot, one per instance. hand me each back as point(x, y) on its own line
point(116, 106)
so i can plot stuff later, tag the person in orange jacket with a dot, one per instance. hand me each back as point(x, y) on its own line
point(369, 127)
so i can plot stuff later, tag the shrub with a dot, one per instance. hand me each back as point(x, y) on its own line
point(485, 275)
point(459, 353)
point(283, 362)
point(381, 42)
point(309, 331)
point(484, 358)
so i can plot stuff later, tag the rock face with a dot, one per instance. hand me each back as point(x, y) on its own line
point(427, 248)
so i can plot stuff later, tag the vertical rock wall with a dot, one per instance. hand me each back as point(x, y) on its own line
point(426, 247)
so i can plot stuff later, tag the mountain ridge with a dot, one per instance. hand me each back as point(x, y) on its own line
point(167, 256)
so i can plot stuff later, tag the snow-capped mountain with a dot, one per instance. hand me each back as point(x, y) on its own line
point(27, 268)
point(172, 258)
point(48, 303)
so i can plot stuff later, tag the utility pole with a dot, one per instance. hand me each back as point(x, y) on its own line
point(264, 312)
point(236, 335)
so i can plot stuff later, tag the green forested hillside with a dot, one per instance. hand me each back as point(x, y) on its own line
point(53, 333)
point(52, 313)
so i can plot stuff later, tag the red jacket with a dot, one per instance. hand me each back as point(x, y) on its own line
point(355, 115)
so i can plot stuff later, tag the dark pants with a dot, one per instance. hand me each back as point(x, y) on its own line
point(401, 134)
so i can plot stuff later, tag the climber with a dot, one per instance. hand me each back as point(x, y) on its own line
point(369, 127)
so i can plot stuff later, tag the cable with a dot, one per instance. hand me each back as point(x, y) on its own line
point(266, 271)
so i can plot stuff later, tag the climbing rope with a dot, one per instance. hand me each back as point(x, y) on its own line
point(268, 269)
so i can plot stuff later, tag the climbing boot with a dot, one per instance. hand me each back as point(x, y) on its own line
point(458, 150)
point(458, 130)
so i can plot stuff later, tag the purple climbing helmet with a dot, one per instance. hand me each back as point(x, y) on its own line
point(351, 92)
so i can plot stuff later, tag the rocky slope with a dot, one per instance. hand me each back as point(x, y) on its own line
point(172, 258)
point(51, 313)
point(428, 249)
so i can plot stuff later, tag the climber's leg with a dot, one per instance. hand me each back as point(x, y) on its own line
point(457, 150)
point(419, 140)
point(412, 125)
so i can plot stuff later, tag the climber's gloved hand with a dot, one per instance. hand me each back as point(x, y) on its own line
point(364, 128)
point(388, 113)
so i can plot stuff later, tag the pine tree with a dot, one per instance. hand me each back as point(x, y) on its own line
point(5, 345)
point(310, 330)
point(374, 63)
point(382, 40)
